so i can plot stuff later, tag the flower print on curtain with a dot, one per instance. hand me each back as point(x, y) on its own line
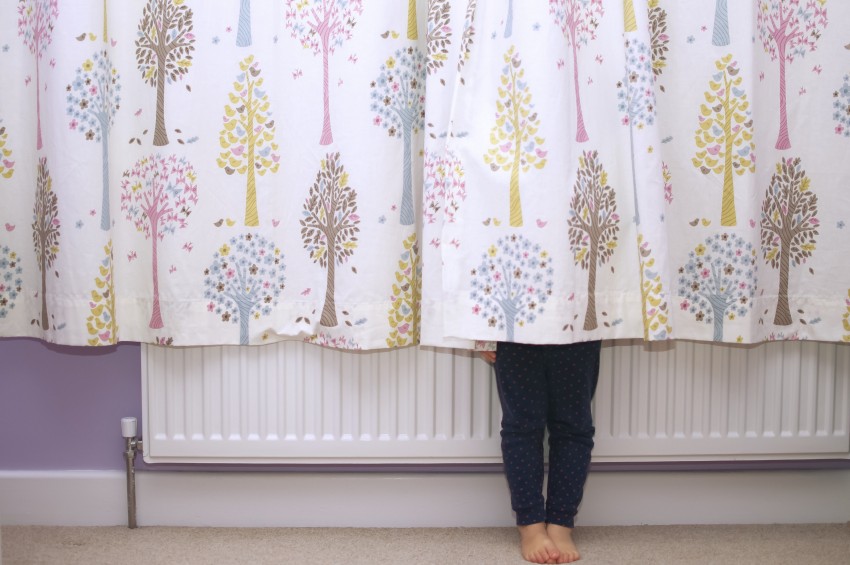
point(164, 48)
point(94, 96)
point(637, 100)
point(398, 101)
point(719, 281)
point(841, 105)
point(245, 281)
point(157, 195)
point(36, 22)
point(511, 284)
point(322, 26)
point(11, 281)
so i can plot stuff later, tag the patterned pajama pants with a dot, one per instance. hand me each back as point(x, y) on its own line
point(544, 386)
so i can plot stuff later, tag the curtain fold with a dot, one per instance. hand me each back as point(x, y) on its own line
point(377, 174)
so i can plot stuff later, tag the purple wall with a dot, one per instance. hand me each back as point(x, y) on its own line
point(61, 407)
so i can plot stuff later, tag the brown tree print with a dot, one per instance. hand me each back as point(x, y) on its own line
point(439, 34)
point(164, 51)
point(789, 227)
point(45, 230)
point(330, 225)
point(593, 225)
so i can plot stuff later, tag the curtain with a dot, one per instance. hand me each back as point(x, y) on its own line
point(377, 174)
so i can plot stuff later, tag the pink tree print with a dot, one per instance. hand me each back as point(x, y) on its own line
point(157, 195)
point(578, 20)
point(789, 29)
point(36, 19)
point(323, 25)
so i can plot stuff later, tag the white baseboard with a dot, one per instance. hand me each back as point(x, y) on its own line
point(263, 499)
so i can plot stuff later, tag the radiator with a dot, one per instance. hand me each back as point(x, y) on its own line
point(296, 403)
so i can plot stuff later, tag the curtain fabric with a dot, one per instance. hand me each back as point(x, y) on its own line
point(367, 174)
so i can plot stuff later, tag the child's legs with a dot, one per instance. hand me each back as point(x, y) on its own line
point(521, 380)
point(573, 371)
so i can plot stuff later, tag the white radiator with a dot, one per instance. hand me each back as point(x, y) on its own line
point(296, 403)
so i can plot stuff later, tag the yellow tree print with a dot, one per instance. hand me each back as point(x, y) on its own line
point(101, 323)
point(629, 19)
point(7, 166)
point(846, 320)
point(656, 315)
point(514, 145)
point(404, 314)
point(724, 137)
point(412, 25)
point(248, 134)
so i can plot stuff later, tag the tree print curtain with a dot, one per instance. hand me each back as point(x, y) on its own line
point(377, 174)
point(638, 169)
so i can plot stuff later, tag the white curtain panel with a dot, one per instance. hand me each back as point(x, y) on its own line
point(367, 174)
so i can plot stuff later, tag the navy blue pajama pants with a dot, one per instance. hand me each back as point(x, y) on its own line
point(546, 386)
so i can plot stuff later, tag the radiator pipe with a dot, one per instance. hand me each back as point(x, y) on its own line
point(133, 446)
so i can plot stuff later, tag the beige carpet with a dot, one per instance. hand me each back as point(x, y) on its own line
point(773, 545)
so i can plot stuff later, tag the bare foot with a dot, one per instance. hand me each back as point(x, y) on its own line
point(536, 545)
point(562, 537)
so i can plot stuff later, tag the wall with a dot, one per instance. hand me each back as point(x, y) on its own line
point(61, 407)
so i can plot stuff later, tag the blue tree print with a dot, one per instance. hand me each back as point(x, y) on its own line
point(11, 281)
point(719, 280)
point(398, 100)
point(720, 35)
point(243, 33)
point(93, 98)
point(636, 98)
point(244, 281)
point(512, 283)
point(841, 105)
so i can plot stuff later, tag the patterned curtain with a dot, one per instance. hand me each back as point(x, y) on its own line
point(367, 174)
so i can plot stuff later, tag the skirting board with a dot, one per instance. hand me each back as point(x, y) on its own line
point(98, 498)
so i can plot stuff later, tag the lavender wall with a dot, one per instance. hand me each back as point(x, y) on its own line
point(61, 407)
